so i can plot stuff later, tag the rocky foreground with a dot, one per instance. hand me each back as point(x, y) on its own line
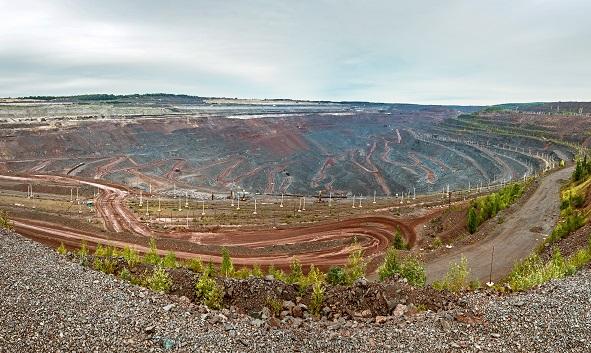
point(49, 304)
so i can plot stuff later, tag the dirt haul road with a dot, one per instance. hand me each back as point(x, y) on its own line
point(513, 239)
point(323, 244)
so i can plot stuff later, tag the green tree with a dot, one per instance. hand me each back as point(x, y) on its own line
point(398, 241)
point(227, 268)
point(472, 220)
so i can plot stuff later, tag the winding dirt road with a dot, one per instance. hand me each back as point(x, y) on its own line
point(513, 239)
point(323, 244)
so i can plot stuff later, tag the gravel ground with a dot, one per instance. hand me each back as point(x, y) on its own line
point(49, 304)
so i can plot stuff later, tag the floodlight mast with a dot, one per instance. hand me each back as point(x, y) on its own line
point(281, 205)
point(255, 207)
point(374, 196)
point(353, 201)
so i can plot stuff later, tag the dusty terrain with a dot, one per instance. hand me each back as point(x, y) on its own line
point(51, 304)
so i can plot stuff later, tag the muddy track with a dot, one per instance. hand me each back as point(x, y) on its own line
point(513, 239)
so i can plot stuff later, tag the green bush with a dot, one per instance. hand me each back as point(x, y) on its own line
point(277, 273)
point(209, 292)
point(169, 261)
point(195, 265)
point(317, 299)
point(336, 275)
point(4, 220)
point(355, 268)
point(159, 280)
point(532, 272)
point(456, 278)
point(257, 271)
point(104, 264)
point(62, 249)
point(486, 207)
point(131, 256)
point(227, 268)
point(242, 273)
point(398, 241)
point(411, 268)
point(152, 257)
point(296, 272)
point(414, 272)
point(275, 305)
point(125, 275)
point(390, 266)
point(83, 251)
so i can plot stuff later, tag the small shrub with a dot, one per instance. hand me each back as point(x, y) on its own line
point(104, 264)
point(336, 275)
point(277, 273)
point(195, 265)
point(62, 249)
point(437, 242)
point(100, 250)
point(169, 261)
point(296, 272)
point(152, 257)
point(275, 305)
point(398, 242)
point(208, 290)
point(456, 278)
point(390, 266)
point(355, 267)
point(256, 271)
point(83, 251)
point(317, 299)
point(414, 272)
point(124, 274)
point(159, 280)
point(227, 268)
point(131, 256)
point(4, 220)
point(242, 273)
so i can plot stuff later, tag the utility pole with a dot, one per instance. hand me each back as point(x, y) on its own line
point(353, 201)
point(281, 205)
point(374, 196)
point(255, 207)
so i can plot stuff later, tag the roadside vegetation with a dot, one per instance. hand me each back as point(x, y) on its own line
point(153, 271)
point(4, 220)
point(533, 271)
point(487, 207)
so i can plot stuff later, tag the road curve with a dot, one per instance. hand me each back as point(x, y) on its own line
point(513, 239)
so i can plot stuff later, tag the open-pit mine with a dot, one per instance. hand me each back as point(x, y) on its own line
point(270, 180)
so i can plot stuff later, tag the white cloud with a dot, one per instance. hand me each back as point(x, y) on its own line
point(457, 51)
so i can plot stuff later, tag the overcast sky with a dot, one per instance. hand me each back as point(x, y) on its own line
point(432, 51)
